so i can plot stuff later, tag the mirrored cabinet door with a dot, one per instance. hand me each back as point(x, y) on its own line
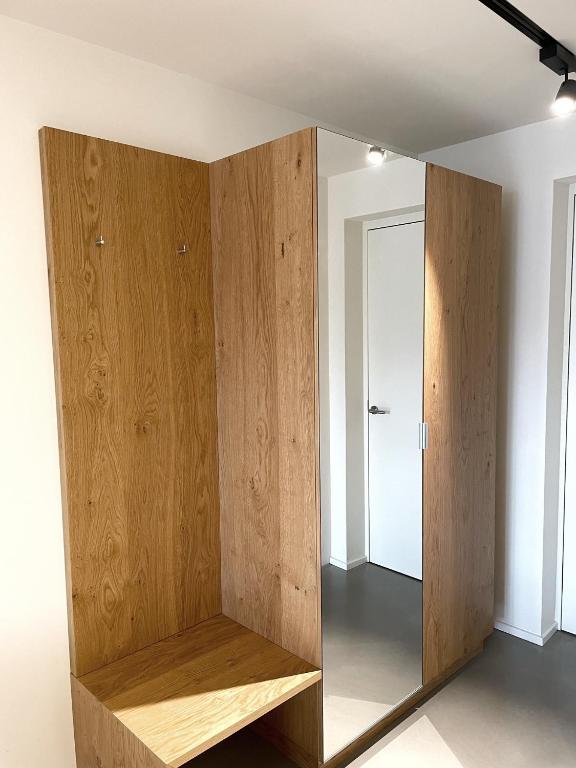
point(371, 339)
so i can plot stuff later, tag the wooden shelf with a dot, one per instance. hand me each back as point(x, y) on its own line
point(185, 694)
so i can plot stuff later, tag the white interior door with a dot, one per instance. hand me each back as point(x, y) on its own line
point(569, 568)
point(395, 383)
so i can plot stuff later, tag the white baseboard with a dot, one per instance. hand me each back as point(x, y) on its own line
point(549, 632)
point(348, 564)
point(523, 634)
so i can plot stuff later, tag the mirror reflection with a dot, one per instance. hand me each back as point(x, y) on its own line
point(371, 320)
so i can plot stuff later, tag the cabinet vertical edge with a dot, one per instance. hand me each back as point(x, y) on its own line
point(44, 136)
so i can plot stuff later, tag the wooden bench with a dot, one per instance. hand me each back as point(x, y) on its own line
point(181, 696)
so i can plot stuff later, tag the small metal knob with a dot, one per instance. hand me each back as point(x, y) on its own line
point(184, 249)
point(100, 240)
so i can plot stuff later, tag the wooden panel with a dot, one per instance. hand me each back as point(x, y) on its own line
point(294, 729)
point(264, 278)
point(462, 264)
point(185, 694)
point(100, 738)
point(134, 355)
point(264, 246)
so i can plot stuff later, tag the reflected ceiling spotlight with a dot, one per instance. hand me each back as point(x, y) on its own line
point(376, 155)
point(565, 101)
point(552, 54)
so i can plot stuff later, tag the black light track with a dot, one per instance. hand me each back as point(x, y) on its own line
point(552, 53)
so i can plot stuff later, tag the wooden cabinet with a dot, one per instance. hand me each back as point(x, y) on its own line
point(184, 304)
point(460, 358)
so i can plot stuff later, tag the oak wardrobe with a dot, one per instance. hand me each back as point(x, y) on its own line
point(208, 320)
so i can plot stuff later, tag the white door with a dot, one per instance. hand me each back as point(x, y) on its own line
point(569, 569)
point(395, 383)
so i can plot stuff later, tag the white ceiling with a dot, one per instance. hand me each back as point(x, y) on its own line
point(417, 74)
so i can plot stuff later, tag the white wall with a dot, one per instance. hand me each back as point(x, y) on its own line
point(53, 80)
point(397, 186)
point(527, 162)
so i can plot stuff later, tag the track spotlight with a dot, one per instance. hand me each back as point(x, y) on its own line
point(553, 54)
point(565, 102)
point(376, 155)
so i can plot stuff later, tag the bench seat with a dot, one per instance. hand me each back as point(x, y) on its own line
point(181, 696)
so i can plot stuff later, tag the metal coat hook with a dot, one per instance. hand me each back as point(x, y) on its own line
point(184, 249)
point(100, 240)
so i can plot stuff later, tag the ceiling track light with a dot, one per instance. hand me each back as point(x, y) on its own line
point(376, 155)
point(553, 54)
point(565, 101)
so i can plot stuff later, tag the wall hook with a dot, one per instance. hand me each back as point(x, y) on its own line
point(184, 249)
point(100, 240)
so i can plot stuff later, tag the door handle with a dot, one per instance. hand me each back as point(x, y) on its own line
point(374, 410)
point(422, 435)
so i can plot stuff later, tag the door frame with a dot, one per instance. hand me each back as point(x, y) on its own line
point(570, 298)
point(381, 222)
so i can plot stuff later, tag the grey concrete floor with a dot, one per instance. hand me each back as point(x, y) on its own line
point(372, 648)
point(512, 707)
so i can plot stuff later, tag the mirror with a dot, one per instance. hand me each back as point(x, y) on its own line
point(371, 342)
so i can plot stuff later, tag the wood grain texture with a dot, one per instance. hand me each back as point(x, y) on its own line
point(101, 740)
point(264, 278)
point(135, 367)
point(294, 727)
point(183, 695)
point(460, 357)
point(264, 252)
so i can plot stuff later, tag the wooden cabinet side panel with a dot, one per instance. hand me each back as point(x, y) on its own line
point(100, 738)
point(264, 253)
point(294, 727)
point(135, 366)
point(264, 283)
point(460, 359)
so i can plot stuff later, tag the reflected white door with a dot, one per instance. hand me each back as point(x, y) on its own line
point(569, 571)
point(395, 382)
